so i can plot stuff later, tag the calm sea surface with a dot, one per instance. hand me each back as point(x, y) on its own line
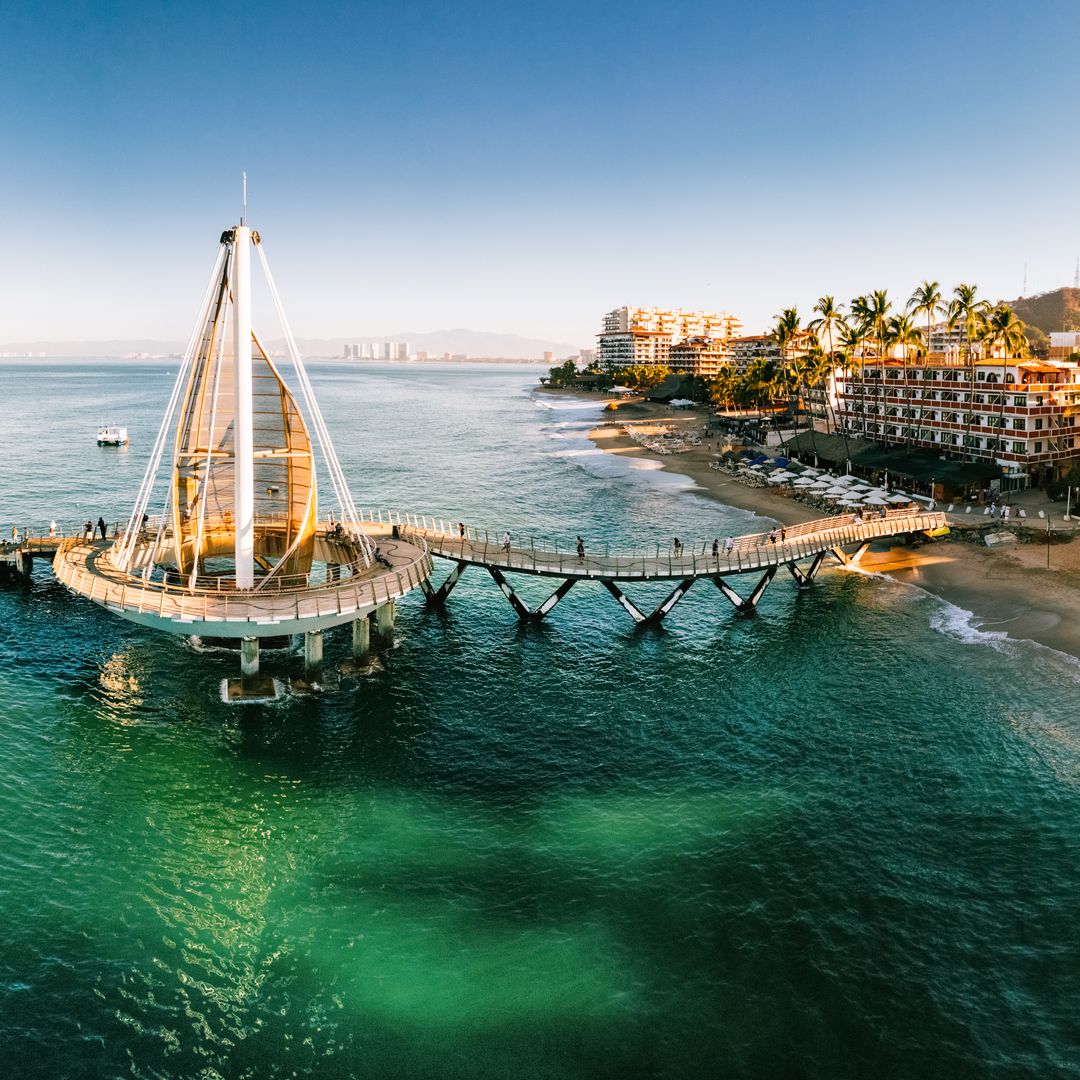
point(839, 839)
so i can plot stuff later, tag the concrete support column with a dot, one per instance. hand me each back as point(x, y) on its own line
point(384, 622)
point(313, 651)
point(24, 563)
point(361, 640)
point(249, 656)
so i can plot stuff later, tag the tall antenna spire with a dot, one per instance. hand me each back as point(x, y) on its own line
point(243, 215)
point(1076, 276)
point(1024, 290)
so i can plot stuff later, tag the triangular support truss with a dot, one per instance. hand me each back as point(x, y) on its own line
point(523, 610)
point(661, 609)
point(437, 597)
point(806, 577)
point(750, 603)
point(845, 559)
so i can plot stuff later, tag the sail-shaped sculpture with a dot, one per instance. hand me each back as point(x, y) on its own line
point(225, 539)
point(204, 490)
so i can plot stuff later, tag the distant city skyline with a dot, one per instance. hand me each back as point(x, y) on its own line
point(524, 170)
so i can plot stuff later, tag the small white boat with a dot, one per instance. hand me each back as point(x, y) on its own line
point(112, 435)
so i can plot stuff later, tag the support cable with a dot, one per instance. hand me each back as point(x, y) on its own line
point(337, 477)
point(200, 529)
point(126, 547)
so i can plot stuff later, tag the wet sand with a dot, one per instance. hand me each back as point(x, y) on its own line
point(1007, 589)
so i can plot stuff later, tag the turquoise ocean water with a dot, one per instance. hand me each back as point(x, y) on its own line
point(839, 839)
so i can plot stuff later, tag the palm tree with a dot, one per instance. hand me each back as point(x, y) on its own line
point(964, 307)
point(802, 370)
point(850, 344)
point(787, 332)
point(877, 307)
point(830, 318)
point(724, 387)
point(1004, 328)
point(823, 366)
point(901, 331)
point(926, 300)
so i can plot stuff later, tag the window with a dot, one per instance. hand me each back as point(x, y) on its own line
point(1038, 423)
point(1020, 400)
point(1019, 447)
point(1019, 423)
point(1037, 448)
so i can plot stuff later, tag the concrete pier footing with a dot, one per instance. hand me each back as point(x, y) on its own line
point(361, 640)
point(249, 656)
point(384, 623)
point(313, 651)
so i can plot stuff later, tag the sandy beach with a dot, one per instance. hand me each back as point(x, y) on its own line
point(1007, 589)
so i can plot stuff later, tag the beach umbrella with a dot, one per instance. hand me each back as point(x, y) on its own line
point(838, 491)
point(898, 498)
point(850, 500)
point(806, 482)
point(847, 478)
point(809, 470)
point(820, 485)
point(781, 478)
point(874, 500)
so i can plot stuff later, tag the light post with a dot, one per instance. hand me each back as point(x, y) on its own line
point(1048, 528)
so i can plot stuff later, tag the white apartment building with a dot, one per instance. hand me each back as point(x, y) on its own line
point(745, 350)
point(633, 335)
point(1021, 414)
point(702, 357)
point(1064, 343)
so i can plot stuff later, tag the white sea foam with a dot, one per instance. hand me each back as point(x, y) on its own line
point(966, 627)
point(962, 625)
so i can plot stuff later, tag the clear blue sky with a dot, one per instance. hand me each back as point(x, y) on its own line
point(523, 167)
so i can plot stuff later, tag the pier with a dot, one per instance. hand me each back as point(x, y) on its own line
point(800, 549)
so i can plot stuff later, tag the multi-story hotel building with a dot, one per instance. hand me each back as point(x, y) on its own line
point(745, 350)
point(634, 335)
point(1020, 414)
point(701, 356)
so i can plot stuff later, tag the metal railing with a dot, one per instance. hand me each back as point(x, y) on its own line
point(130, 594)
point(752, 551)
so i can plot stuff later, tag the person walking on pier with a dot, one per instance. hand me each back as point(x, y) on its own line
point(88, 530)
point(677, 545)
point(461, 531)
point(716, 549)
point(506, 542)
point(101, 526)
point(729, 545)
point(52, 530)
point(580, 548)
point(14, 534)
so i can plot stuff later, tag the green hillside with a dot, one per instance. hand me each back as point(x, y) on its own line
point(1050, 311)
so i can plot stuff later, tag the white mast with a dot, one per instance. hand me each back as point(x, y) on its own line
point(243, 448)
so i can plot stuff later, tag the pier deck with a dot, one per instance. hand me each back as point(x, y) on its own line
point(799, 548)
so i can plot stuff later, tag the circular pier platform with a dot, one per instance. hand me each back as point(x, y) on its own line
point(215, 608)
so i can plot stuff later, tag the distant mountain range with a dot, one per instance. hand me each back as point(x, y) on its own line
point(479, 343)
point(1050, 311)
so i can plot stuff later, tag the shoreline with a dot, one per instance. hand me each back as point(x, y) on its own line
point(1007, 590)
